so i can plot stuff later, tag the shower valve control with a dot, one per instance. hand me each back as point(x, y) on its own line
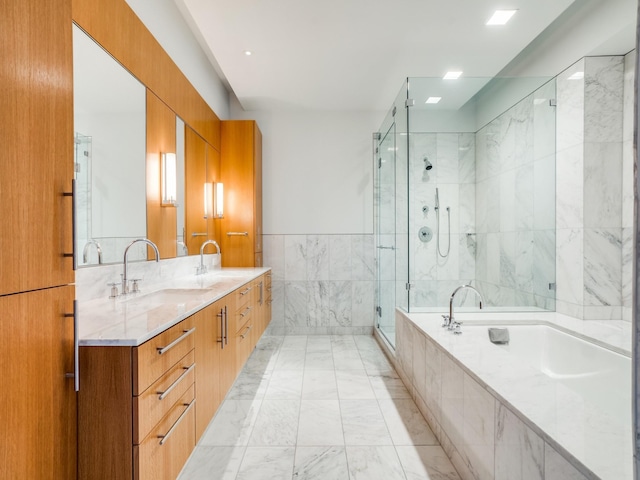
point(425, 234)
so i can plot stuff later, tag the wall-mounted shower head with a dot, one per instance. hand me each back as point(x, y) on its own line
point(427, 164)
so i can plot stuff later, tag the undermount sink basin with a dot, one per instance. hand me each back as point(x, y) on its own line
point(169, 295)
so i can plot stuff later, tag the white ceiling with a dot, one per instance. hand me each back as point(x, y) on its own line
point(354, 54)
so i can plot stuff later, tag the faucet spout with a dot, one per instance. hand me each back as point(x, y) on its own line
point(85, 251)
point(125, 286)
point(461, 287)
point(203, 268)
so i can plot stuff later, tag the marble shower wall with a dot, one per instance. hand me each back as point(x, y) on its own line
point(433, 276)
point(322, 284)
point(592, 221)
point(515, 204)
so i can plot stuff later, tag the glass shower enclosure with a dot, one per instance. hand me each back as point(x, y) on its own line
point(465, 194)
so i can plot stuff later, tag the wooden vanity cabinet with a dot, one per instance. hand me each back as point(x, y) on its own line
point(241, 168)
point(136, 407)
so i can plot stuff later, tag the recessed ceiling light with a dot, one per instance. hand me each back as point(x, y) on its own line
point(248, 52)
point(433, 99)
point(576, 76)
point(500, 17)
point(453, 75)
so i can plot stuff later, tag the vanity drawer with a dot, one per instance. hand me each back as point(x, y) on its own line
point(165, 450)
point(243, 296)
point(154, 403)
point(244, 344)
point(154, 357)
point(241, 317)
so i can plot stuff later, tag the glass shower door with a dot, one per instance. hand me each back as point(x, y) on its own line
point(386, 232)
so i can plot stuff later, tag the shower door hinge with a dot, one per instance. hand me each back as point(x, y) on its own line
point(379, 311)
point(393, 112)
point(380, 162)
point(376, 135)
point(552, 286)
point(409, 102)
point(553, 102)
point(408, 286)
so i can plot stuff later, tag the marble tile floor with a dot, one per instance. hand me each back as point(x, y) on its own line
point(318, 408)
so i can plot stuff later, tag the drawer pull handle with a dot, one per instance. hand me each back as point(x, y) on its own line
point(165, 437)
point(186, 333)
point(245, 291)
point(243, 335)
point(177, 381)
point(237, 234)
point(246, 312)
point(199, 234)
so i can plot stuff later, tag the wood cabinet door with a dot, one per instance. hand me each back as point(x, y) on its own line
point(37, 403)
point(226, 329)
point(207, 351)
point(36, 127)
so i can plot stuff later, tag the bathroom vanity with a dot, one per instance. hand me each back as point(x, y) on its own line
point(156, 367)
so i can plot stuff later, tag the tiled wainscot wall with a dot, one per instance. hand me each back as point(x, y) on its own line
point(322, 284)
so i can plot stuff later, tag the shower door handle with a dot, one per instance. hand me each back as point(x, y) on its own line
point(386, 248)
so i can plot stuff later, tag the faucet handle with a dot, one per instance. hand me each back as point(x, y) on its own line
point(114, 289)
point(445, 321)
point(135, 288)
point(456, 328)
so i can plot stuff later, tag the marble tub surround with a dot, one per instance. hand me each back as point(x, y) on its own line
point(135, 318)
point(497, 417)
point(321, 284)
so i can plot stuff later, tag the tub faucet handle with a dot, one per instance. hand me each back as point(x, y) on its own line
point(456, 328)
point(446, 321)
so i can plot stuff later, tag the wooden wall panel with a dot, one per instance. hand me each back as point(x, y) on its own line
point(36, 159)
point(161, 138)
point(115, 26)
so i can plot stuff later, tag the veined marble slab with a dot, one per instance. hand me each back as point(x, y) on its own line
point(136, 318)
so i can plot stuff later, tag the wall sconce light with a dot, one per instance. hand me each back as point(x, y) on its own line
point(208, 200)
point(213, 200)
point(219, 200)
point(168, 179)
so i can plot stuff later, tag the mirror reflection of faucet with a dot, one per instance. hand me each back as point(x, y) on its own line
point(202, 269)
point(85, 251)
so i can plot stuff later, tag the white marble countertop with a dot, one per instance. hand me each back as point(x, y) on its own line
point(600, 440)
point(134, 319)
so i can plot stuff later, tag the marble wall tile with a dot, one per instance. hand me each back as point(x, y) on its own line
point(452, 402)
point(317, 257)
point(604, 93)
point(418, 377)
point(558, 468)
point(544, 193)
point(570, 266)
point(467, 206)
point(433, 379)
point(448, 162)
point(602, 185)
point(524, 260)
point(423, 145)
point(544, 121)
point(466, 158)
point(545, 263)
point(627, 268)
point(340, 257)
point(519, 453)
point(603, 266)
point(296, 300)
point(466, 256)
point(362, 257)
point(448, 267)
point(479, 428)
point(340, 303)
point(523, 198)
point(274, 256)
point(570, 187)
point(318, 311)
point(295, 247)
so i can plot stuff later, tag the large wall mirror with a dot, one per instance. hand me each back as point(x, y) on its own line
point(109, 124)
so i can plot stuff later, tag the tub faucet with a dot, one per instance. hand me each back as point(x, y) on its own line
point(85, 251)
point(449, 321)
point(125, 280)
point(202, 269)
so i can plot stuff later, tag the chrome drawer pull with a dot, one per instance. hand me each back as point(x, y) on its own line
point(76, 347)
point(243, 335)
point(244, 292)
point(246, 312)
point(163, 350)
point(199, 234)
point(175, 384)
point(165, 437)
point(237, 234)
point(221, 317)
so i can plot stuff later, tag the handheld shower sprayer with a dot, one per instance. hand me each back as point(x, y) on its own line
point(437, 209)
point(427, 164)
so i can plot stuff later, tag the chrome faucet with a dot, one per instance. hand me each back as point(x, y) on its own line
point(85, 252)
point(202, 269)
point(125, 280)
point(449, 321)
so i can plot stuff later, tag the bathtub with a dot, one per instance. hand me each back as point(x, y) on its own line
point(548, 398)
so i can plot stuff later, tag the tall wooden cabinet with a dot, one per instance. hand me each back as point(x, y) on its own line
point(241, 165)
point(37, 402)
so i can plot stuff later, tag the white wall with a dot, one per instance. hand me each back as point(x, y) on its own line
point(317, 170)
point(167, 25)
